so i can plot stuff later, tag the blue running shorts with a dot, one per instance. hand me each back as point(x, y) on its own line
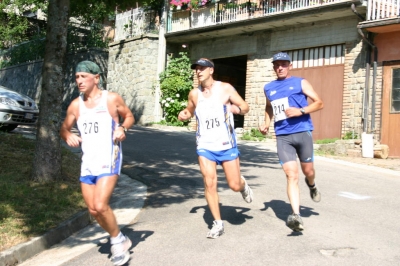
point(219, 156)
point(91, 179)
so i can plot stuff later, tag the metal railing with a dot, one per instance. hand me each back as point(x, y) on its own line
point(134, 22)
point(137, 21)
point(213, 14)
point(382, 9)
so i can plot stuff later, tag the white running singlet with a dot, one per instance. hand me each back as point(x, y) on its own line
point(101, 157)
point(215, 124)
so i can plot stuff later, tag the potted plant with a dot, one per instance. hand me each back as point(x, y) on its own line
point(179, 4)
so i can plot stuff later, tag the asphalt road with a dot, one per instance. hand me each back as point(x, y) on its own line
point(356, 222)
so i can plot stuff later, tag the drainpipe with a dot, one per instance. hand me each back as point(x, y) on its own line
point(366, 87)
point(162, 49)
point(367, 75)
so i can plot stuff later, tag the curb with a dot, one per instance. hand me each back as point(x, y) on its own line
point(24, 251)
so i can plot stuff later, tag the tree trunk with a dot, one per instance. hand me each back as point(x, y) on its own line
point(47, 160)
point(381, 151)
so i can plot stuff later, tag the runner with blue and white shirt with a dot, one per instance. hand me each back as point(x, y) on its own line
point(287, 104)
point(214, 104)
point(97, 113)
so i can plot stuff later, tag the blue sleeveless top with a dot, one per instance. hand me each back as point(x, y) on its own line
point(288, 93)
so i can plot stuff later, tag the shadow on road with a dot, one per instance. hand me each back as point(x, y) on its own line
point(282, 209)
point(167, 163)
point(135, 236)
point(232, 214)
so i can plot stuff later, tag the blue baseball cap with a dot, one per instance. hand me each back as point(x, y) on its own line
point(281, 56)
point(202, 62)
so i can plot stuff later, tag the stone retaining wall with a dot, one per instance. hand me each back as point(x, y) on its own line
point(132, 72)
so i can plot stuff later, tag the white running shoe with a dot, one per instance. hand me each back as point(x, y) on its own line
point(120, 252)
point(314, 192)
point(247, 193)
point(295, 222)
point(216, 230)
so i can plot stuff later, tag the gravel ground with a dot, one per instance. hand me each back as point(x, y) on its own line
point(389, 163)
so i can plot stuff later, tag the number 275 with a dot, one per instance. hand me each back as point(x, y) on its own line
point(212, 122)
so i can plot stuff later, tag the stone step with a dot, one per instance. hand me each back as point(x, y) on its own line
point(354, 153)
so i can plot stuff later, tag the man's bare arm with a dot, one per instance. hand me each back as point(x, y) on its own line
point(70, 119)
point(268, 118)
point(240, 106)
point(123, 111)
point(317, 103)
point(188, 112)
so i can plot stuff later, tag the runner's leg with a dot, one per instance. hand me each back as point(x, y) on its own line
point(97, 199)
point(232, 173)
point(292, 175)
point(208, 169)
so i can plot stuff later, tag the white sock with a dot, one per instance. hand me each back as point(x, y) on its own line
point(219, 222)
point(118, 239)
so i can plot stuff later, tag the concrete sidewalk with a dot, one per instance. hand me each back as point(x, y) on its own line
point(78, 234)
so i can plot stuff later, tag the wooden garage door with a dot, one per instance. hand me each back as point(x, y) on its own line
point(391, 108)
point(327, 81)
point(323, 67)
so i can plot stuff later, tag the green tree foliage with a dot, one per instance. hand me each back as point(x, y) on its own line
point(175, 84)
point(154, 5)
point(13, 25)
point(89, 32)
point(22, 39)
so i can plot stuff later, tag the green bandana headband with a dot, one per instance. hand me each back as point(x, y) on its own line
point(90, 67)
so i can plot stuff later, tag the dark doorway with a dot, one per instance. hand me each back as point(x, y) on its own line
point(233, 71)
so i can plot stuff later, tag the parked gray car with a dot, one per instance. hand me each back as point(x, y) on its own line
point(16, 109)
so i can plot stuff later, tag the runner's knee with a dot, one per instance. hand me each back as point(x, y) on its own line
point(292, 176)
point(210, 183)
point(235, 185)
point(101, 208)
point(93, 212)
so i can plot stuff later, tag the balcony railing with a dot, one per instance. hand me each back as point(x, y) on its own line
point(382, 9)
point(214, 14)
point(135, 22)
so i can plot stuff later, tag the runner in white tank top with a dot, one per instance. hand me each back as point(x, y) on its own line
point(97, 126)
point(215, 128)
point(96, 113)
point(214, 103)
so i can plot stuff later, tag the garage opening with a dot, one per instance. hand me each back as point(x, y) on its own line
point(233, 71)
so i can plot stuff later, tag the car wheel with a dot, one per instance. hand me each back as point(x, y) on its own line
point(8, 128)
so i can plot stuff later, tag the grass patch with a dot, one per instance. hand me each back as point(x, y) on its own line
point(29, 209)
point(326, 141)
point(323, 153)
point(254, 135)
point(174, 124)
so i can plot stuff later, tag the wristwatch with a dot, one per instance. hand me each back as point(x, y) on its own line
point(123, 128)
point(303, 112)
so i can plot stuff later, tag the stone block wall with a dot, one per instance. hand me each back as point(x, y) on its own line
point(132, 72)
point(354, 83)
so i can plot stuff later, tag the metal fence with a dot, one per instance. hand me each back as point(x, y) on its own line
point(212, 14)
point(382, 9)
point(135, 22)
